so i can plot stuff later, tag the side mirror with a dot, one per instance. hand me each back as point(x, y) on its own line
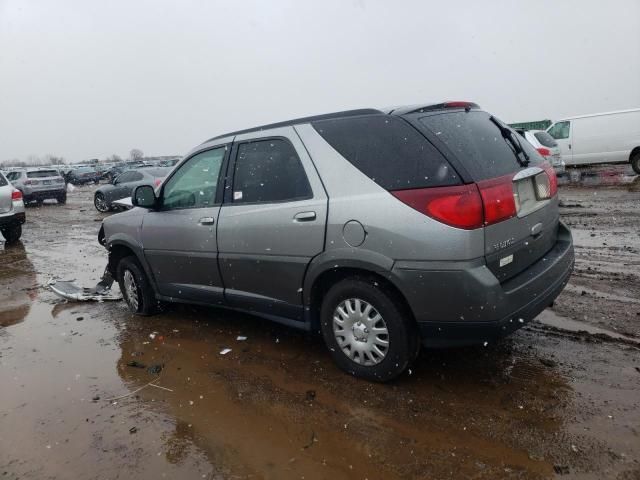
point(144, 196)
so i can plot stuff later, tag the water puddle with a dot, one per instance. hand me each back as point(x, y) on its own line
point(551, 319)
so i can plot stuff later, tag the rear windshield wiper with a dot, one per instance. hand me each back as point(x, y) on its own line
point(514, 142)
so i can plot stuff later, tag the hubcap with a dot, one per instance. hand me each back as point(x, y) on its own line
point(130, 289)
point(360, 331)
point(101, 203)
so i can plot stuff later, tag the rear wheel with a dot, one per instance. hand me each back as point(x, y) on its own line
point(367, 329)
point(635, 163)
point(62, 198)
point(135, 287)
point(101, 203)
point(12, 234)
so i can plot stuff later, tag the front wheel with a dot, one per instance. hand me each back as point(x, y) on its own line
point(635, 163)
point(100, 202)
point(367, 329)
point(135, 287)
point(12, 234)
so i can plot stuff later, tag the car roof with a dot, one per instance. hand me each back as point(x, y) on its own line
point(399, 110)
point(598, 114)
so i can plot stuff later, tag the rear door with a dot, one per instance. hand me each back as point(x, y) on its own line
point(562, 132)
point(272, 222)
point(179, 238)
point(478, 145)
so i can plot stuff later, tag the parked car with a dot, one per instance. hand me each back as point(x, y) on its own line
point(83, 175)
point(122, 186)
point(38, 184)
point(432, 224)
point(546, 146)
point(168, 163)
point(12, 214)
point(612, 137)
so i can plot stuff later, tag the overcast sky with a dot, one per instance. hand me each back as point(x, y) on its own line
point(86, 78)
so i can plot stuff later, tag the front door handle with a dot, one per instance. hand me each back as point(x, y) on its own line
point(206, 221)
point(304, 216)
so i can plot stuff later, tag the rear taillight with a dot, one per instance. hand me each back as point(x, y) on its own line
point(28, 182)
point(464, 206)
point(158, 182)
point(497, 198)
point(459, 206)
point(545, 152)
point(553, 179)
point(16, 195)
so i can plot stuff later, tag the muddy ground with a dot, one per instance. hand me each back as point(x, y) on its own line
point(561, 397)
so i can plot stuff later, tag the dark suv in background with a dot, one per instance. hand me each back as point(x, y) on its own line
point(431, 224)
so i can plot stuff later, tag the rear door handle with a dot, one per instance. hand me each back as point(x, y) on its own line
point(206, 221)
point(304, 216)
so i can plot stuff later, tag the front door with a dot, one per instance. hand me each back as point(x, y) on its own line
point(561, 131)
point(271, 224)
point(179, 238)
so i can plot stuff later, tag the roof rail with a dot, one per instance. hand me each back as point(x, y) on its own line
point(297, 121)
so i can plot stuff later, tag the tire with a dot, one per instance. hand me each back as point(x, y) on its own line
point(12, 234)
point(62, 198)
point(635, 163)
point(135, 287)
point(101, 203)
point(364, 361)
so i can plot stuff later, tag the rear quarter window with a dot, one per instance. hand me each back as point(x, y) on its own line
point(389, 151)
point(3, 181)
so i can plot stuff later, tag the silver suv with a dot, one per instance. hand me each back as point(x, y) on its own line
point(38, 184)
point(435, 225)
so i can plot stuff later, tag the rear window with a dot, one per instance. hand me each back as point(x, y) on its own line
point(477, 143)
point(389, 151)
point(3, 181)
point(545, 139)
point(42, 174)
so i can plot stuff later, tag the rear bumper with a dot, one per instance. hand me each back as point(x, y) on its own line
point(44, 194)
point(13, 219)
point(466, 304)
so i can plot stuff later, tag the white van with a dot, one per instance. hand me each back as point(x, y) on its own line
point(610, 137)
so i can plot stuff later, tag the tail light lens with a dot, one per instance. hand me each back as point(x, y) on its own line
point(16, 195)
point(553, 179)
point(459, 206)
point(497, 198)
point(545, 152)
point(465, 206)
point(158, 182)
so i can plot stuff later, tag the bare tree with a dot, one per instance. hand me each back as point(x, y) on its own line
point(136, 154)
point(114, 158)
point(53, 159)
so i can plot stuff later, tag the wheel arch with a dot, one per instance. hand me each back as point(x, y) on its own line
point(321, 276)
point(634, 152)
point(120, 248)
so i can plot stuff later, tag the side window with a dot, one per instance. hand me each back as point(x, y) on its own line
point(269, 171)
point(136, 177)
point(194, 185)
point(3, 182)
point(560, 130)
point(13, 176)
point(125, 177)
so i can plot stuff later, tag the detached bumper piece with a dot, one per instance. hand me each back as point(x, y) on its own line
point(100, 293)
